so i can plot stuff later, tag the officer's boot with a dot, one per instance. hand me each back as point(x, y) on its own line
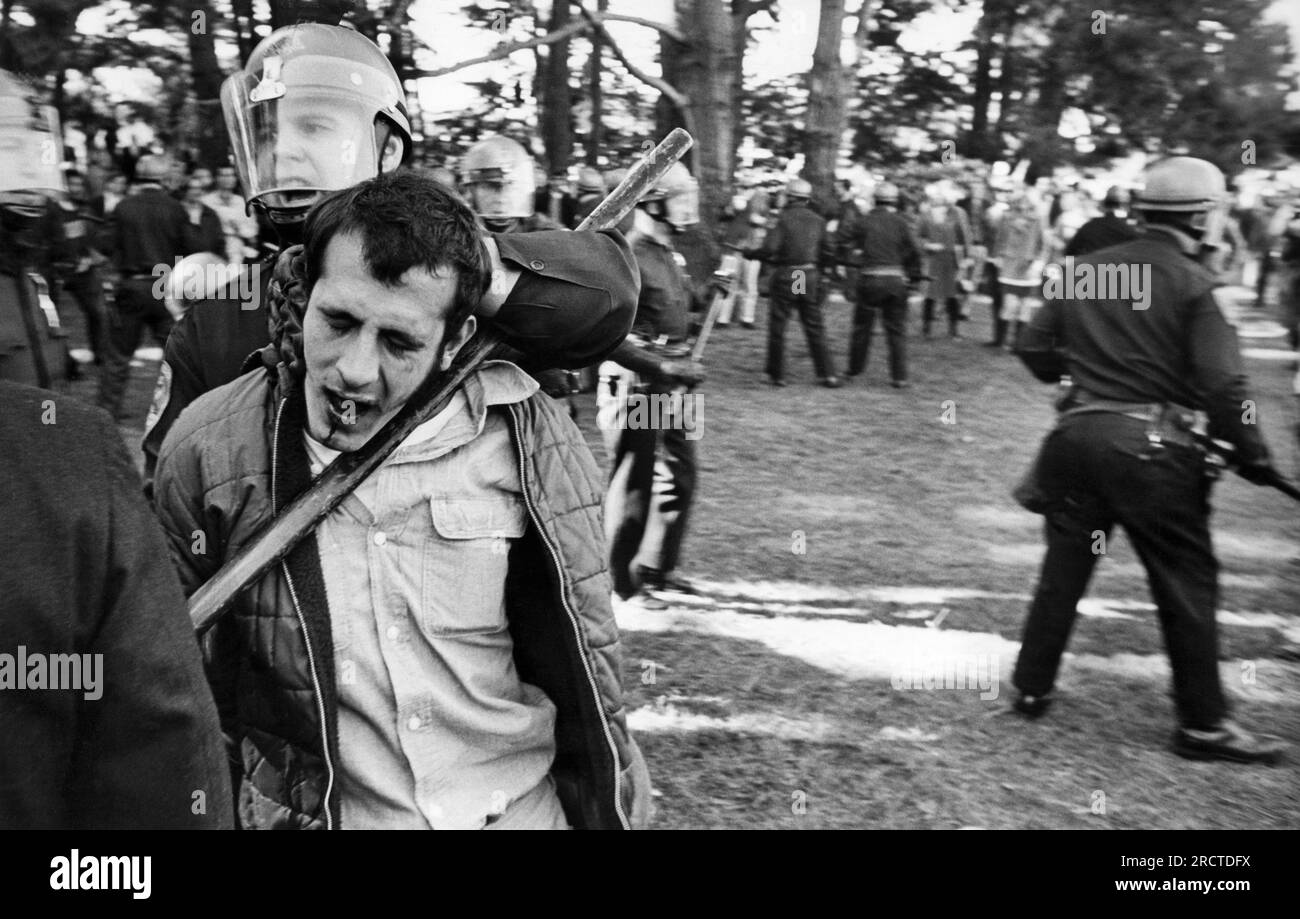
point(999, 334)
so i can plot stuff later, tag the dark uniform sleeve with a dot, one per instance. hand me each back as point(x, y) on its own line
point(150, 752)
point(1040, 344)
point(575, 300)
point(1221, 379)
point(180, 382)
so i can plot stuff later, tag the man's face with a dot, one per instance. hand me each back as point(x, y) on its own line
point(194, 189)
point(367, 346)
point(320, 145)
point(226, 178)
point(203, 176)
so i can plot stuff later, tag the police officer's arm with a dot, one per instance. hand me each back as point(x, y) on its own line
point(772, 244)
point(566, 299)
point(1040, 347)
point(1221, 379)
point(911, 253)
point(845, 238)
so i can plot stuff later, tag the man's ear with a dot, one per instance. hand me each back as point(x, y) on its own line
point(452, 344)
point(391, 157)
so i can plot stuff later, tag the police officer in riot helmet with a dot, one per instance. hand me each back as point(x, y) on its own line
point(318, 108)
point(1124, 451)
point(499, 181)
point(653, 471)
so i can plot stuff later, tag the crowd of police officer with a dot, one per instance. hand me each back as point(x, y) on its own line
point(1121, 454)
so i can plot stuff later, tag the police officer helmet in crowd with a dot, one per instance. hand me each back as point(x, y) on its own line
point(1181, 191)
point(886, 193)
point(499, 181)
point(798, 190)
point(1117, 199)
point(30, 155)
point(590, 181)
point(674, 199)
point(316, 108)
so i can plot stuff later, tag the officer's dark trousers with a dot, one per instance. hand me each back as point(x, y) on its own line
point(648, 504)
point(953, 307)
point(791, 291)
point(135, 309)
point(88, 290)
point(1093, 467)
point(887, 297)
point(994, 288)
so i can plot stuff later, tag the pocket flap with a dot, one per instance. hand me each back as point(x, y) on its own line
point(478, 517)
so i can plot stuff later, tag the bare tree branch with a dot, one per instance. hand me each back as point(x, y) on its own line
point(508, 48)
point(674, 95)
point(657, 26)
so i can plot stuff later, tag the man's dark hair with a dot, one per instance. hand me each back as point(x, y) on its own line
point(405, 220)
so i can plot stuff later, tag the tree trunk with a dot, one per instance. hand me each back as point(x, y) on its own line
point(705, 71)
point(983, 89)
point(557, 101)
point(595, 136)
point(205, 72)
point(825, 105)
point(245, 37)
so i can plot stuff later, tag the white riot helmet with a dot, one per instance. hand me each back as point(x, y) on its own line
point(313, 111)
point(498, 176)
point(31, 151)
point(680, 196)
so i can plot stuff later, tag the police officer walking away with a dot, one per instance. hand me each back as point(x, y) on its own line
point(653, 468)
point(1122, 453)
point(886, 250)
point(795, 248)
point(150, 229)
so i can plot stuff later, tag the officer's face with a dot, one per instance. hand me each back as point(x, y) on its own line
point(489, 197)
point(368, 346)
point(319, 144)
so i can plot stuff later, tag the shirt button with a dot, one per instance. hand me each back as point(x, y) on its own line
point(414, 723)
point(537, 264)
point(393, 632)
point(380, 538)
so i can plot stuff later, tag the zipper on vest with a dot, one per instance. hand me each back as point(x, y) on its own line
point(572, 616)
point(302, 622)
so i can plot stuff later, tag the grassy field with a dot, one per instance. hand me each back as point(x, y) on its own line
point(791, 692)
point(770, 700)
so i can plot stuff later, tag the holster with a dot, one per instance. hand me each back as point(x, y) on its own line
point(1166, 423)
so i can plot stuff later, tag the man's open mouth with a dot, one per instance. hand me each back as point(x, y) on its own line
point(347, 411)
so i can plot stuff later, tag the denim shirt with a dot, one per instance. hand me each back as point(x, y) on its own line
point(436, 730)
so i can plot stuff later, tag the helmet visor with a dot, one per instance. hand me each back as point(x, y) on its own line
point(300, 132)
point(30, 148)
point(501, 191)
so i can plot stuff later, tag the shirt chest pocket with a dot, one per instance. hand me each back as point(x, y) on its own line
point(464, 562)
